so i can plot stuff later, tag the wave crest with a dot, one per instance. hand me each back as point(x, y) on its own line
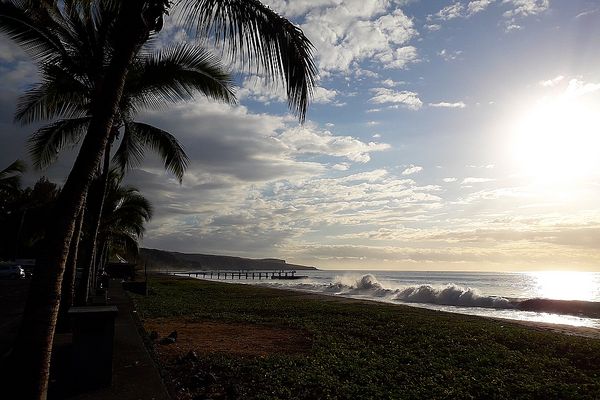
point(449, 295)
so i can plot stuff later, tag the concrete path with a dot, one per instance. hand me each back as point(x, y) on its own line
point(134, 374)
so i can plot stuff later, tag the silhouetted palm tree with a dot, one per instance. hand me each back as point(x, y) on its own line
point(125, 213)
point(172, 74)
point(10, 177)
point(253, 33)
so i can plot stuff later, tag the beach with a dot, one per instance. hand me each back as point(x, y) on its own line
point(243, 341)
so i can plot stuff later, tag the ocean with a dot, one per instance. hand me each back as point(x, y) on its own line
point(571, 298)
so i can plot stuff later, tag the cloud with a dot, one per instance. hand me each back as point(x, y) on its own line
point(412, 169)
point(405, 98)
point(445, 104)
point(397, 58)
point(448, 180)
point(210, 215)
point(458, 10)
point(450, 12)
point(586, 13)
point(578, 88)
point(323, 96)
point(261, 89)
point(341, 167)
point(477, 6)
point(307, 140)
point(476, 180)
point(517, 9)
point(521, 9)
point(486, 166)
point(525, 8)
point(433, 27)
point(449, 55)
point(552, 82)
point(389, 83)
point(354, 31)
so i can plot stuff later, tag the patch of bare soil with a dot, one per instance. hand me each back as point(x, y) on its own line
point(238, 339)
point(189, 378)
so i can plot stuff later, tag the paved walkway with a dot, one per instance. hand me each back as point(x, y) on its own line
point(134, 374)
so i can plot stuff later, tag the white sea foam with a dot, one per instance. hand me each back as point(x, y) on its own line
point(450, 295)
point(369, 286)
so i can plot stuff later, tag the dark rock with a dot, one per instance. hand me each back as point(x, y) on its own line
point(167, 340)
point(191, 355)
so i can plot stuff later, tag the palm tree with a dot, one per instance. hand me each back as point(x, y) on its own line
point(172, 74)
point(123, 218)
point(251, 31)
point(169, 75)
point(10, 177)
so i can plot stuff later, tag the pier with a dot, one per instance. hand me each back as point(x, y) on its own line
point(241, 274)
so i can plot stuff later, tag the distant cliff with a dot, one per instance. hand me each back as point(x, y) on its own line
point(161, 259)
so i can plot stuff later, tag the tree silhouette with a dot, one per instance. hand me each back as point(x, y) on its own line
point(252, 32)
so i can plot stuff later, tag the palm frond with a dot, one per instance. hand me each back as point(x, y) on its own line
point(26, 28)
point(10, 177)
point(124, 242)
point(178, 73)
point(130, 152)
point(138, 136)
point(59, 95)
point(125, 213)
point(257, 35)
point(48, 141)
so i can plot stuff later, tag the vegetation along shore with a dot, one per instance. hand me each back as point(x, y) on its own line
point(242, 341)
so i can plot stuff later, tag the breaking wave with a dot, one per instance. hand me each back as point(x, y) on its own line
point(448, 295)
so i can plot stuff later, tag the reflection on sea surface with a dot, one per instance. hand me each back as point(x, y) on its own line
point(565, 285)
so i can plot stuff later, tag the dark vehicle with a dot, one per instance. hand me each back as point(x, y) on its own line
point(11, 271)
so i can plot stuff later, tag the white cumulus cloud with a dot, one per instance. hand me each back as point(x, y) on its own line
point(405, 98)
point(305, 139)
point(445, 104)
point(552, 82)
point(477, 6)
point(359, 30)
point(476, 180)
point(412, 169)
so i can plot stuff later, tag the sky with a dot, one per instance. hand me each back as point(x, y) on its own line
point(443, 135)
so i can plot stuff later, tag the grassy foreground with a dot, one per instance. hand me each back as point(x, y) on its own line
point(363, 350)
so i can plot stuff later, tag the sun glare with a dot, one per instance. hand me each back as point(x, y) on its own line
point(558, 140)
point(565, 285)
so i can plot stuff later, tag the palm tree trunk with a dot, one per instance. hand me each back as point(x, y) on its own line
point(68, 289)
point(30, 358)
point(88, 280)
point(103, 260)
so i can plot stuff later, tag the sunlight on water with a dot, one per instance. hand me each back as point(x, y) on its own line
point(530, 316)
point(564, 285)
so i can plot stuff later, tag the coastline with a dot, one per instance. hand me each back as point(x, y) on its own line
point(573, 330)
point(246, 341)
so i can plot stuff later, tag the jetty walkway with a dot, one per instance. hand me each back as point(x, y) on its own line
point(240, 274)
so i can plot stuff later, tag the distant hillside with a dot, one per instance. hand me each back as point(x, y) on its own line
point(161, 259)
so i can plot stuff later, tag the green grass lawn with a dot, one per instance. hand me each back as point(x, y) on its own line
point(363, 350)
